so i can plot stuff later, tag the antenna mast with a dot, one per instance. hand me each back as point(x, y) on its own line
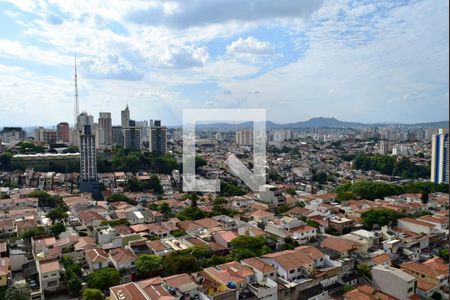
point(76, 104)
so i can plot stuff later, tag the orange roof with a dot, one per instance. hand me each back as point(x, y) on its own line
point(380, 259)
point(305, 228)
point(290, 259)
point(425, 285)
point(422, 269)
point(128, 291)
point(259, 264)
point(261, 214)
point(311, 252)
point(47, 266)
point(121, 255)
point(97, 255)
point(337, 244)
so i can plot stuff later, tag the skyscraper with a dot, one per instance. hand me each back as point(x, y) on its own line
point(158, 138)
point(244, 137)
point(105, 130)
point(88, 156)
point(132, 136)
point(117, 135)
point(125, 117)
point(440, 157)
point(62, 132)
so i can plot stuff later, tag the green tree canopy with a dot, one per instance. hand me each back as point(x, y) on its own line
point(381, 217)
point(57, 228)
point(146, 264)
point(177, 263)
point(103, 279)
point(120, 198)
point(246, 246)
point(57, 214)
point(93, 294)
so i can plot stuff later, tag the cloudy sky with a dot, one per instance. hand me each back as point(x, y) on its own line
point(356, 60)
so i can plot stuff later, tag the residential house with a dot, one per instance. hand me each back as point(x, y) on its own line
point(5, 271)
point(394, 282)
point(49, 274)
point(122, 259)
point(96, 259)
point(291, 264)
point(416, 226)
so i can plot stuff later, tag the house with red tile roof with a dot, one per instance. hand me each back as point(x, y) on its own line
point(122, 258)
point(291, 264)
point(96, 259)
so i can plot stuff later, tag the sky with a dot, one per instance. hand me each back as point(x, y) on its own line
point(356, 60)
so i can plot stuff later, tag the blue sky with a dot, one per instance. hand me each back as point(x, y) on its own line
point(356, 60)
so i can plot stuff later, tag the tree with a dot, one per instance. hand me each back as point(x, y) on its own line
point(364, 270)
point(120, 198)
point(74, 286)
point(71, 149)
point(155, 185)
point(444, 254)
point(27, 235)
point(425, 197)
point(58, 228)
point(146, 264)
point(103, 279)
point(178, 233)
point(381, 217)
point(18, 292)
point(93, 294)
point(177, 263)
point(190, 213)
point(291, 192)
point(282, 209)
point(246, 246)
point(320, 177)
point(57, 214)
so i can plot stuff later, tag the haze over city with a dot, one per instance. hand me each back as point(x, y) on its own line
point(361, 61)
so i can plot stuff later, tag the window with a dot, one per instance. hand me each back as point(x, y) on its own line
point(291, 271)
point(52, 283)
point(410, 290)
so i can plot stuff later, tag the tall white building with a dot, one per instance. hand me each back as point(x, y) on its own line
point(104, 130)
point(440, 157)
point(244, 137)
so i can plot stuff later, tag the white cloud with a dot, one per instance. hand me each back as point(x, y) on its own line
point(111, 67)
point(183, 56)
point(249, 45)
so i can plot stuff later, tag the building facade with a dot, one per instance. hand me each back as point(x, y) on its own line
point(440, 157)
point(158, 138)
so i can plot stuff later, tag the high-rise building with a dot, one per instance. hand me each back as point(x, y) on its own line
point(125, 114)
point(158, 138)
point(117, 135)
point(62, 132)
point(132, 136)
point(104, 130)
point(88, 156)
point(44, 135)
point(11, 135)
point(244, 137)
point(440, 157)
point(384, 148)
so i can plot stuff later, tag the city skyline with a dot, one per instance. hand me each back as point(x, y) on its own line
point(356, 61)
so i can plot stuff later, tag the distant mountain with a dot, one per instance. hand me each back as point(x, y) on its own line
point(321, 122)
